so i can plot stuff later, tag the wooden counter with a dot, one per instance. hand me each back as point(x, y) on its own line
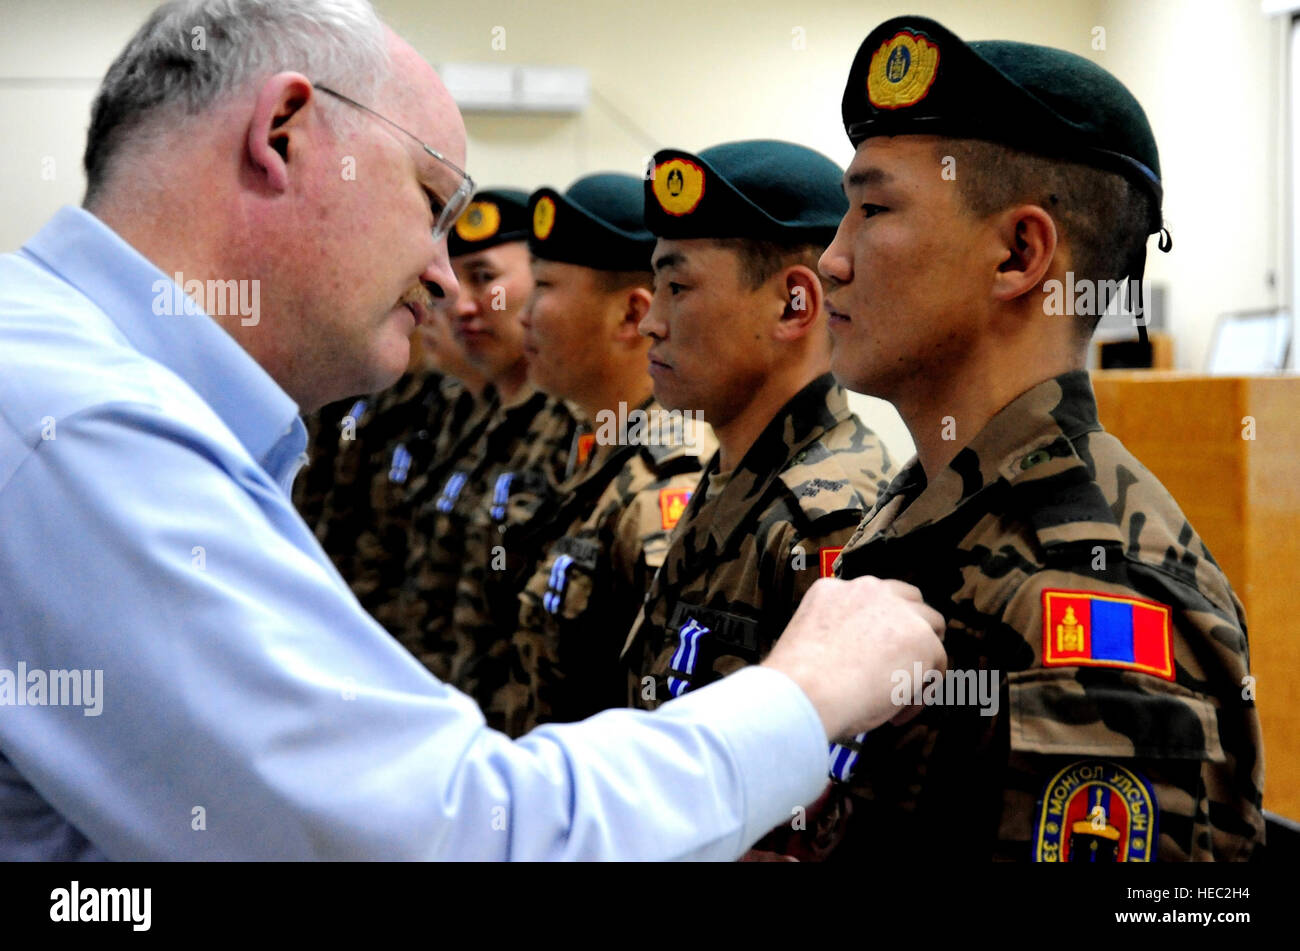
point(1242, 495)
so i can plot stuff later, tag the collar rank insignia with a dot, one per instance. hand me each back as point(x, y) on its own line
point(672, 503)
point(544, 218)
point(828, 556)
point(480, 221)
point(585, 443)
point(902, 71)
point(1096, 811)
point(1086, 629)
point(678, 186)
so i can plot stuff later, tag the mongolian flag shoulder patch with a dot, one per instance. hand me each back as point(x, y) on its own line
point(672, 503)
point(1090, 629)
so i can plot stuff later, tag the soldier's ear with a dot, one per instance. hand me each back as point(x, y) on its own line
point(802, 295)
point(1027, 242)
point(636, 304)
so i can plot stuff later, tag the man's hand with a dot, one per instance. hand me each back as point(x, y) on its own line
point(846, 640)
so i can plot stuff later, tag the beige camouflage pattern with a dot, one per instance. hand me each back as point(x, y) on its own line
point(534, 447)
point(613, 531)
point(1043, 498)
point(364, 455)
point(740, 562)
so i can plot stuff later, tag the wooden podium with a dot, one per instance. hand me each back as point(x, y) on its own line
point(1228, 449)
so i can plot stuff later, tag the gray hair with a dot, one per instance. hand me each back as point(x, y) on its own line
point(191, 53)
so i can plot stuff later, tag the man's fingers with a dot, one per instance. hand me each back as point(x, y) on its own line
point(902, 589)
point(908, 592)
point(933, 618)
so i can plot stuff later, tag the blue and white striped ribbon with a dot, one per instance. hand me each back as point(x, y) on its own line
point(843, 759)
point(451, 491)
point(357, 411)
point(555, 585)
point(501, 495)
point(686, 655)
point(401, 464)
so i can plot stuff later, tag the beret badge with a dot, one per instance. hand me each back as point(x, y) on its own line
point(481, 220)
point(544, 218)
point(902, 71)
point(678, 186)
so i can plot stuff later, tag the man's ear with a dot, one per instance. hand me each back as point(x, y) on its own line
point(278, 113)
point(1028, 237)
point(636, 304)
point(801, 290)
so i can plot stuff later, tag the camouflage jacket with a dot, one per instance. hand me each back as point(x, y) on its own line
point(739, 562)
point(354, 493)
point(1112, 722)
point(530, 436)
point(506, 532)
point(606, 538)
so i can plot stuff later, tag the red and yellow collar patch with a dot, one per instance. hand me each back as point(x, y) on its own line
point(586, 441)
point(1096, 811)
point(828, 556)
point(672, 503)
point(678, 186)
point(1087, 629)
point(902, 71)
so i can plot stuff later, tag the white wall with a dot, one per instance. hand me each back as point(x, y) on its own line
point(691, 73)
point(1210, 74)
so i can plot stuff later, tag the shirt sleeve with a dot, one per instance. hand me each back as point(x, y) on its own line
point(250, 709)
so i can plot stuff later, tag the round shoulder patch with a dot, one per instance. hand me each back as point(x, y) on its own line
point(480, 221)
point(543, 217)
point(1096, 811)
point(902, 71)
point(678, 186)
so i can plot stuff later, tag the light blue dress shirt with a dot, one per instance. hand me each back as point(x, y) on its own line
point(249, 708)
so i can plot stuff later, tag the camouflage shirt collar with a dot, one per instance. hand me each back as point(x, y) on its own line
point(522, 400)
point(603, 453)
point(809, 415)
point(1030, 438)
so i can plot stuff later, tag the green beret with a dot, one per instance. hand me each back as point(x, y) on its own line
point(760, 189)
point(914, 76)
point(495, 216)
point(598, 223)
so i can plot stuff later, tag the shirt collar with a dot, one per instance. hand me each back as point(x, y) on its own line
point(90, 256)
point(1030, 438)
point(812, 412)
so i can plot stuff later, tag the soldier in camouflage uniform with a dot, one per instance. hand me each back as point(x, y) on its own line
point(522, 436)
point(362, 452)
point(1114, 720)
point(739, 333)
point(590, 554)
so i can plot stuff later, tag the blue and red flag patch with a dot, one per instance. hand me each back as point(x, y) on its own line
point(1087, 629)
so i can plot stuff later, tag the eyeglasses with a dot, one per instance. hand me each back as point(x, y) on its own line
point(455, 206)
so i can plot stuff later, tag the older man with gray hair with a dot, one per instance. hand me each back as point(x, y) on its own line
point(300, 154)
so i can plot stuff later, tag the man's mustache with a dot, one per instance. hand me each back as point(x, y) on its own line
point(417, 294)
